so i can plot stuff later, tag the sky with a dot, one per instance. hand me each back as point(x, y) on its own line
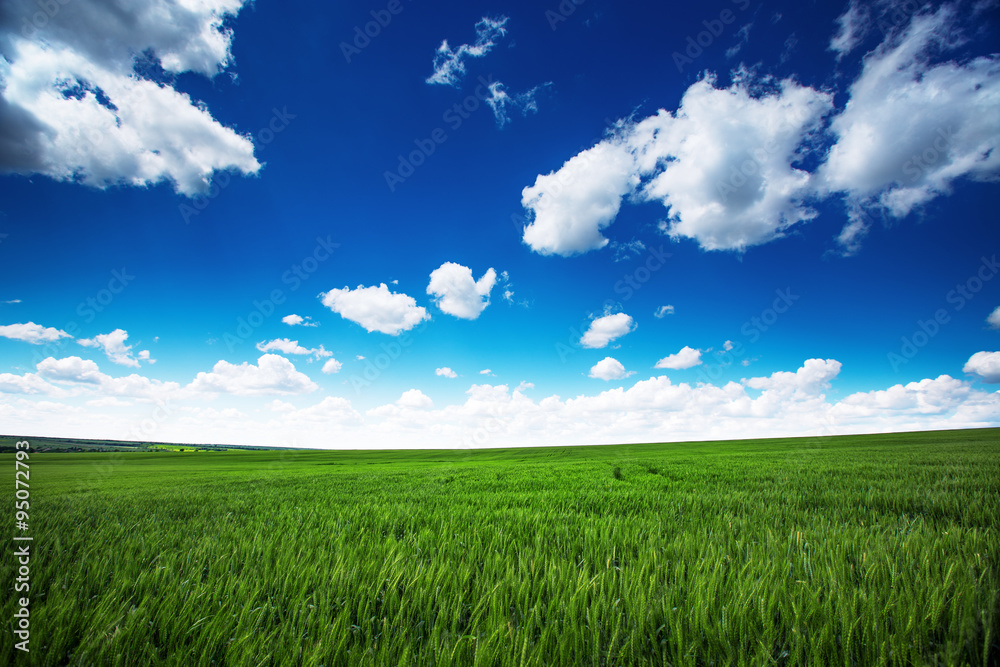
point(397, 224)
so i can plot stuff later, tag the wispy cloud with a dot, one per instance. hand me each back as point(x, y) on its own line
point(449, 64)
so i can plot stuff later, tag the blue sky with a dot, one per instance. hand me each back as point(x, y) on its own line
point(505, 224)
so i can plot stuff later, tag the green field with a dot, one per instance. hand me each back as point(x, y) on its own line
point(860, 550)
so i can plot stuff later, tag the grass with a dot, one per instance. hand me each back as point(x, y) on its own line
point(860, 550)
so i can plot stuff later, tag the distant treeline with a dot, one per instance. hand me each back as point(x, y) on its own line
point(43, 444)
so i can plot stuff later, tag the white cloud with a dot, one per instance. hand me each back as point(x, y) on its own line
point(70, 369)
point(663, 311)
point(29, 383)
point(12, 301)
point(994, 319)
point(32, 333)
point(331, 411)
point(926, 400)
point(457, 293)
point(687, 358)
point(445, 372)
point(85, 375)
point(416, 399)
point(109, 402)
point(278, 405)
point(73, 107)
point(650, 410)
point(501, 102)
point(811, 378)
point(376, 308)
point(939, 123)
point(605, 329)
point(297, 320)
point(986, 365)
point(332, 366)
point(609, 369)
point(569, 207)
point(286, 346)
point(732, 165)
point(273, 374)
point(727, 346)
point(114, 347)
point(449, 64)
point(722, 163)
point(853, 26)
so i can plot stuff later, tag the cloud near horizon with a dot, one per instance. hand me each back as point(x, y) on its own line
point(651, 410)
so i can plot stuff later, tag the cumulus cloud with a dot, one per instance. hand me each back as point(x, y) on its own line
point(29, 383)
point(986, 365)
point(85, 375)
point(376, 308)
point(663, 311)
point(457, 293)
point(723, 162)
point(32, 333)
point(286, 346)
point(416, 399)
point(811, 378)
point(605, 329)
point(734, 166)
point(297, 320)
point(331, 411)
point(449, 63)
point(791, 403)
point(609, 368)
point(332, 366)
point(114, 347)
point(994, 319)
point(445, 372)
point(273, 374)
point(569, 207)
point(75, 106)
point(70, 369)
point(903, 149)
point(687, 358)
